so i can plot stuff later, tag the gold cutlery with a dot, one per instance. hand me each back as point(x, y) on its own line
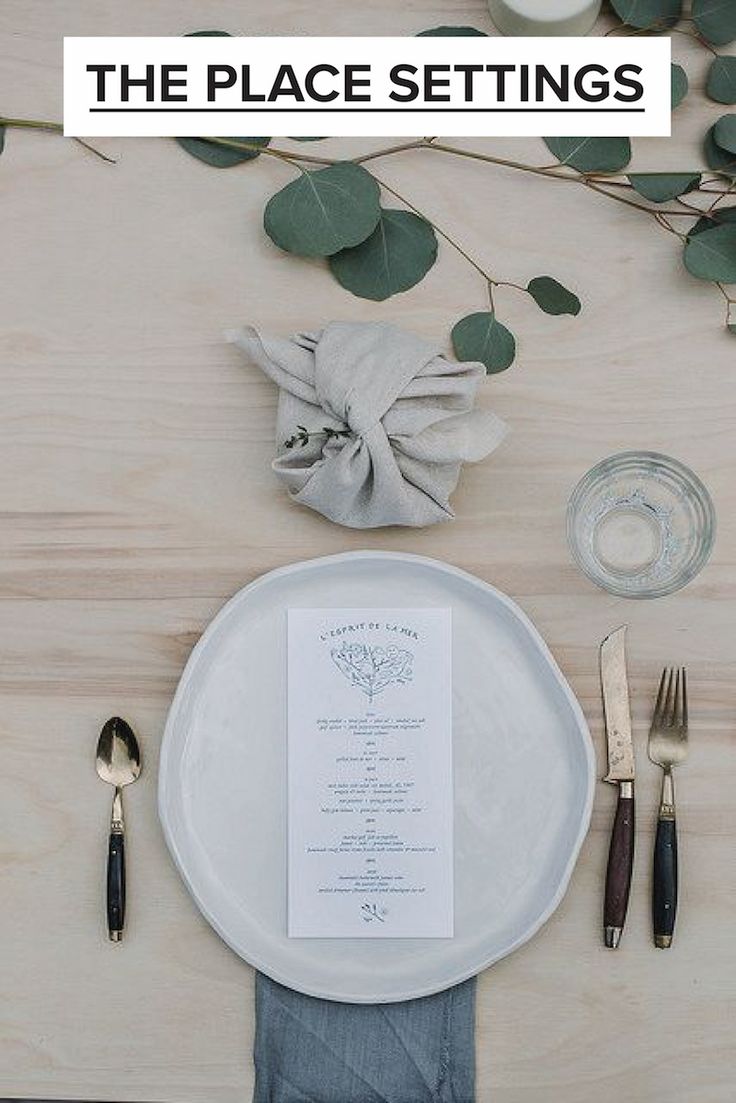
point(119, 764)
point(615, 687)
point(667, 748)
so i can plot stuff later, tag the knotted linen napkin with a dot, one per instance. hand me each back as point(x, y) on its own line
point(404, 415)
point(313, 1051)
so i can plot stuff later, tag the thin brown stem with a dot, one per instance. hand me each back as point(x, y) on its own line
point(54, 128)
point(315, 159)
point(421, 143)
point(697, 36)
point(659, 28)
point(97, 152)
point(438, 229)
point(504, 162)
point(569, 177)
point(629, 202)
point(510, 283)
point(269, 151)
point(491, 281)
point(669, 227)
point(721, 196)
point(32, 124)
point(730, 304)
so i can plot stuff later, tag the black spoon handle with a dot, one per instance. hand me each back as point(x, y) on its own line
point(116, 870)
point(116, 886)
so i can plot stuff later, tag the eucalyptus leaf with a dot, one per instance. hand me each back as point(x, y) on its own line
point(452, 32)
point(208, 34)
point(551, 297)
point(720, 160)
point(731, 327)
point(322, 212)
point(721, 84)
point(725, 133)
point(716, 20)
point(717, 217)
point(679, 86)
point(711, 255)
point(652, 14)
point(221, 157)
point(396, 256)
point(659, 187)
point(591, 154)
point(482, 337)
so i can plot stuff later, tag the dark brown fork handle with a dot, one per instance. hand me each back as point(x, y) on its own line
point(664, 884)
point(620, 865)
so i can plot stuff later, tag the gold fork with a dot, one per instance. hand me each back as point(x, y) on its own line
point(667, 748)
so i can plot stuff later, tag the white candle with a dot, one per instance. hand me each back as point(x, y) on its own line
point(544, 17)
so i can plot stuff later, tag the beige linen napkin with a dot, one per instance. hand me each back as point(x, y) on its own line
point(405, 412)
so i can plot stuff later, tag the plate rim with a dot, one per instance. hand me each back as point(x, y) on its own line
point(166, 751)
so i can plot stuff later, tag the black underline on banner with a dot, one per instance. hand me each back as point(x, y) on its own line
point(365, 110)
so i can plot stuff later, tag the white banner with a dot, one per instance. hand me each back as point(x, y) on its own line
point(224, 86)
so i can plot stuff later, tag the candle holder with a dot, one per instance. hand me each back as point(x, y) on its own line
point(544, 17)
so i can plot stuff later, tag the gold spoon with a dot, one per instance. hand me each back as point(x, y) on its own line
point(119, 764)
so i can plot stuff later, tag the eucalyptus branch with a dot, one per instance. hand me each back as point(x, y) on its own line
point(553, 172)
point(296, 158)
point(613, 186)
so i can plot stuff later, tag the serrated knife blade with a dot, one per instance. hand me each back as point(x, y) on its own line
point(616, 708)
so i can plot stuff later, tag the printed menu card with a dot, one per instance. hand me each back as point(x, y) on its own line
point(370, 805)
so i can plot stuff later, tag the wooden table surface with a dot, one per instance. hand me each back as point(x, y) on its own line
point(136, 496)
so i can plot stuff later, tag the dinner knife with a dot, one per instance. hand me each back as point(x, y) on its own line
point(617, 713)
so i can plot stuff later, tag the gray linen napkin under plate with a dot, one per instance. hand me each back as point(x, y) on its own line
point(314, 1051)
point(404, 414)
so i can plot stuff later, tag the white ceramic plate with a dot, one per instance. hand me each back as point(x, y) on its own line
point(523, 764)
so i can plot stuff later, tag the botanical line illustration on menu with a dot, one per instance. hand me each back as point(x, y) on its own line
point(372, 669)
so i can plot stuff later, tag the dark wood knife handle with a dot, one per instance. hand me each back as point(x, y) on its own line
point(620, 866)
point(664, 883)
point(116, 886)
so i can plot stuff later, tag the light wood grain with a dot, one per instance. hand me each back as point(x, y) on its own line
point(136, 496)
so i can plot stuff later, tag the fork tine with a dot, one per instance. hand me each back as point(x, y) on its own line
point(657, 718)
point(684, 697)
point(667, 708)
point(676, 701)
